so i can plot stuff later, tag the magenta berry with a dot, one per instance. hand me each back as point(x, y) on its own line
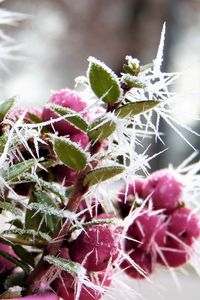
point(125, 203)
point(185, 225)
point(174, 254)
point(142, 260)
point(149, 230)
point(89, 213)
point(69, 99)
point(67, 290)
point(96, 247)
point(80, 138)
point(16, 113)
point(164, 188)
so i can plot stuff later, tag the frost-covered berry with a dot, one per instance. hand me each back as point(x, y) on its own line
point(174, 254)
point(66, 287)
point(5, 264)
point(89, 210)
point(16, 113)
point(184, 224)
point(80, 138)
point(96, 246)
point(125, 201)
point(143, 264)
point(149, 230)
point(164, 188)
point(66, 98)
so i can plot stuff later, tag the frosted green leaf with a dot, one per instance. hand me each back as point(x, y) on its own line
point(17, 170)
point(52, 210)
point(29, 234)
point(5, 106)
point(135, 108)
point(103, 81)
point(3, 140)
point(101, 129)
point(69, 153)
point(36, 220)
point(10, 207)
point(101, 174)
point(73, 117)
point(66, 265)
point(10, 294)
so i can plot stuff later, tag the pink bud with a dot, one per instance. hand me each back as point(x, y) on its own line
point(66, 98)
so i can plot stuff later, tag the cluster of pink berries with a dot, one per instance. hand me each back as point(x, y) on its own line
point(165, 233)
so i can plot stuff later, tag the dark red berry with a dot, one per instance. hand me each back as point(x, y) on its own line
point(96, 246)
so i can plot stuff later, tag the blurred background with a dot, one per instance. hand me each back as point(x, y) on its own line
point(58, 36)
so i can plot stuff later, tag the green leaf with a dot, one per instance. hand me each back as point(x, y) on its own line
point(17, 223)
point(104, 83)
point(66, 265)
point(27, 237)
point(17, 170)
point(135, 108)
point(71, 116)
point(48, 186)
point(34, 118)
point(101, 174)
point(3, 140)
point(5, 106)
point(37, 220)
point(16, 261)
point(24, 254)
point(10, 294)
point(10, 207)
point(69, 153)
point(101, 129)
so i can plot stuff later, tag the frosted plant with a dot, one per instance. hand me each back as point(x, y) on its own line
point(75, 212)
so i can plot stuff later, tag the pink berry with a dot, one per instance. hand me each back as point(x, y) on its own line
point(16, 113)
point(185, 225)
point(67, 290)
point(125, 203)
point(142, 260)
point(149, 230)
point(96, 246)
point(80, 138)
point(89, 212)
point(174, 254)
point(66, 98)
point(164, 188)
point(5, 264)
